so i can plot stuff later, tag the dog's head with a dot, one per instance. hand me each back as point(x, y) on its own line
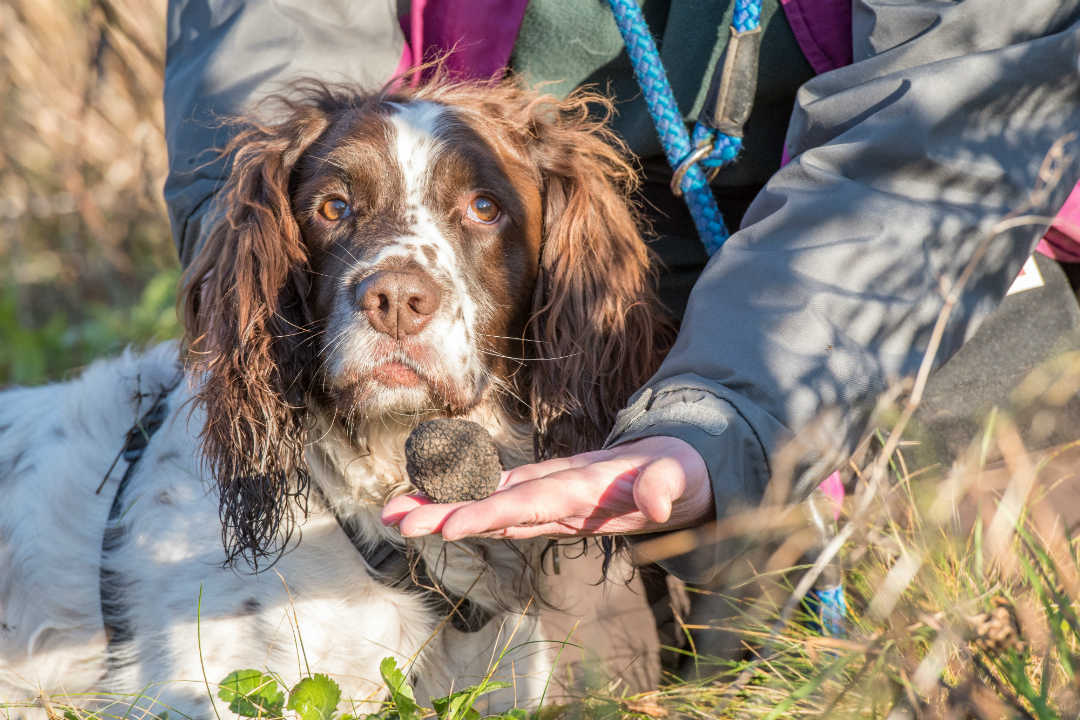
point(411, 254)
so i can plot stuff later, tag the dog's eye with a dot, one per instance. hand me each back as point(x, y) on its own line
point(335, 209)
point(483, 209)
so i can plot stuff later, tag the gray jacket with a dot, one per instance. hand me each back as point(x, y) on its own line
point(828, 293)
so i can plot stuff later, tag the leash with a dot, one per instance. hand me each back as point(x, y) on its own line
point(111, 587)
point(717, 138)
point(716, 143)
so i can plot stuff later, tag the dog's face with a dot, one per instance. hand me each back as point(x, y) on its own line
point(409, 254)
point(423, 240)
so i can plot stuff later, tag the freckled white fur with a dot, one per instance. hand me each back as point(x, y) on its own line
point(56, 443)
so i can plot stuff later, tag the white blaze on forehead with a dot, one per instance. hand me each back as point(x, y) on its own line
point(416, 147)
point(415, 125)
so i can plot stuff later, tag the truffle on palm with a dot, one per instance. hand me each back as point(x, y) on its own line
point(452, 460)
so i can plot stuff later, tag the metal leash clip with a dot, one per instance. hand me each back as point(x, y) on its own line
point(700, 153)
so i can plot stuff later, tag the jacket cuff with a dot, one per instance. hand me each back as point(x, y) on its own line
point(708, 417)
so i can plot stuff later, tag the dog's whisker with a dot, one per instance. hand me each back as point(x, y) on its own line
point(504, 387)
point(530, 359)
point(333, 253)
point(516, 339)
point(327, 351)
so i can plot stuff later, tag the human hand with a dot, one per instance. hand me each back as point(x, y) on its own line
point(656, 483)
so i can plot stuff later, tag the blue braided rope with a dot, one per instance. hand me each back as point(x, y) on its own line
point(669, 122)
point(674, 138)
point(828, 609)
point(746, 17)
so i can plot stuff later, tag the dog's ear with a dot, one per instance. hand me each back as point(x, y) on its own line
point(246, 323)
point(598, 327)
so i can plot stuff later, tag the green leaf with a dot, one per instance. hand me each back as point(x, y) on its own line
point(315, 698)
point(251, 693)
point(513, 714)
point(451, 706)
point(455, 709)
point(401, 693)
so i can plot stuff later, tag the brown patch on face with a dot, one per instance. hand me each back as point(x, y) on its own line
point(501, 260)
point(351, 162)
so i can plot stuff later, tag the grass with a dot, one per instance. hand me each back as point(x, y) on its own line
point(963, 581)
point(954, 613)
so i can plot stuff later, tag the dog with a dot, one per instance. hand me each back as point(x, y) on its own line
point(380, 258)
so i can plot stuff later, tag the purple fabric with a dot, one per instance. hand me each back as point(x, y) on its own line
point(823, 30)
point(476, 36)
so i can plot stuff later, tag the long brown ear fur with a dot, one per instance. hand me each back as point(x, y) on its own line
point(599, 328)
point(248, 334)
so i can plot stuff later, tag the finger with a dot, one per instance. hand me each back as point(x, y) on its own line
point(528, 532)
point(427, 519)
point(543, 500)
point(532, 471)
point(401, 505)
point(628, 523)
point(660, 483)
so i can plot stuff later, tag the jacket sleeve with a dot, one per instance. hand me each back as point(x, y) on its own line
point(903, 162)
point(223, 56)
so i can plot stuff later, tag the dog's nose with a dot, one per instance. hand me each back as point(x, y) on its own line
point(398, 302)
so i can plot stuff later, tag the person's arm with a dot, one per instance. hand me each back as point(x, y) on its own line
point(222, 57)
point(904, 161)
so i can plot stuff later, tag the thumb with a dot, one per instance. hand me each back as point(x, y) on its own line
point(660, 483)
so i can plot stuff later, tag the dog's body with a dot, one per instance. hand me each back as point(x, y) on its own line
point(463, 251)
point(321, 593)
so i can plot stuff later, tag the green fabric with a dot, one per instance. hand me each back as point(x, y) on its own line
point(565, 43)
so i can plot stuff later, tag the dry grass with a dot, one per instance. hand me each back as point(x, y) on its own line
point(83, 228)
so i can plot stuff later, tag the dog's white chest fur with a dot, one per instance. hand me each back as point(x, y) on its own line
point(180, 612)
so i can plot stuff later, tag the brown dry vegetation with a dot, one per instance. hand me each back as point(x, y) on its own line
point(83, 230)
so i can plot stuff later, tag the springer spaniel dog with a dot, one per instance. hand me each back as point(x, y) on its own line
point(460, 249)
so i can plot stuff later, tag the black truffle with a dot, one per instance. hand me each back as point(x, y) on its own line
point(452, 460)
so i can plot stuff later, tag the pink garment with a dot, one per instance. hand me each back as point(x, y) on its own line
point(833, 488)
point(1062, 240)
point(822, 28)
point(476, 36)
